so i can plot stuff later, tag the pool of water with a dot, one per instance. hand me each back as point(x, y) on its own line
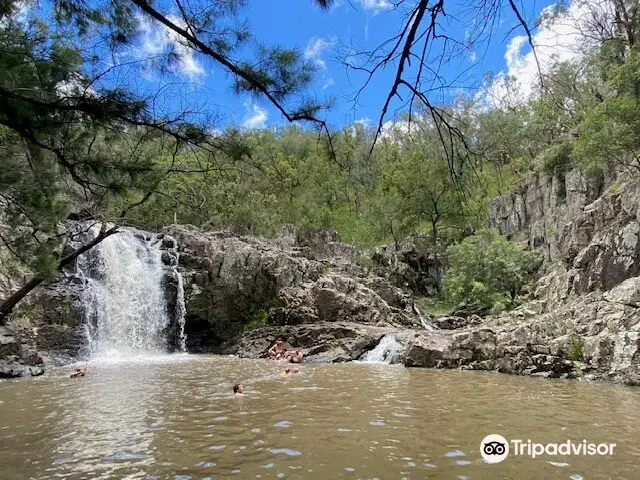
point(175, 417)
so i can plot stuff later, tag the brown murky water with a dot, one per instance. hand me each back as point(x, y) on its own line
point(174, 418)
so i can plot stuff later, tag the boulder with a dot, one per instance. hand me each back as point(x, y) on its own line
point(18, 356)
point(13, 370)
point(430, 351)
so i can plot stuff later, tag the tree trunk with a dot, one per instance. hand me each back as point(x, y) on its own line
point(9, 304)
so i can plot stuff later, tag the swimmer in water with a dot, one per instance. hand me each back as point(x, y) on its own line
point(80, 372)
point(290, 371)
point(238, 391)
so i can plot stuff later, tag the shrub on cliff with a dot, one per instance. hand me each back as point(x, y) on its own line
point(485, 269)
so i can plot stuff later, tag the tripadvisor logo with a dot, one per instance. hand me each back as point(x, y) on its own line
point(495, 448)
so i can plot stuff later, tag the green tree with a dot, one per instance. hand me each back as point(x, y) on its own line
point(486, 269)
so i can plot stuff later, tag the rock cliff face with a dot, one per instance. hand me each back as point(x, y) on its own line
point(18, 352)
point(590, 242)
point(233, 284)
point(586, 307)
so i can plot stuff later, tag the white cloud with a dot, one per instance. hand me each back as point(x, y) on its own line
point(376, 5)
point(316, 47)
point(329, 83)
point(157, 39)
point(395, 130)
point(74, 87)
point(558, 39)
point(256, 116)
point(20, 13)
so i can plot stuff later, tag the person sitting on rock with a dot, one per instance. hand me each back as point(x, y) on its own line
point(238, 391)
point(277, 351)
point(290, 371)
point(296, 356)
point(80, 372)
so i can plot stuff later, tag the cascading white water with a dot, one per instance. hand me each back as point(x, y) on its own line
point(125, 296)
point(388, 350)
point(181, 311)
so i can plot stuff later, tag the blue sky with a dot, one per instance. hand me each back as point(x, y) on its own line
point(317, 33)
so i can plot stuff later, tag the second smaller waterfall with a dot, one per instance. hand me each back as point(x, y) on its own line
point(388, 350)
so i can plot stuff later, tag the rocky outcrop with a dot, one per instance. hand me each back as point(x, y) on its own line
point(46, 327)
point(326, 342)
point(504, 349)
point(234, 283)
point(321, 244)
point(586, 305)
point(590, 242)
point(409, 267)
point(18, 354)
point(594, 336)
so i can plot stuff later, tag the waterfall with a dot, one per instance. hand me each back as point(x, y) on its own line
point(132, 295)
point(388, 350)
point(181, 311)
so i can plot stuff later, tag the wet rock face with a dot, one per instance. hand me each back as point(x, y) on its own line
point(233, 281)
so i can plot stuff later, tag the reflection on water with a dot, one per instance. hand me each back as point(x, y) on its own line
point(175, 417)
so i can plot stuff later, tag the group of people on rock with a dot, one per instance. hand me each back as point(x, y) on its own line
point(279, 353)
